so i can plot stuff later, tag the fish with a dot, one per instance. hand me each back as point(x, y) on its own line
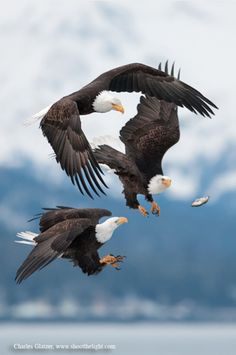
point(200, 201)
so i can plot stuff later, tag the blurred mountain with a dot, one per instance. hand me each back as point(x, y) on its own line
point(185, 255)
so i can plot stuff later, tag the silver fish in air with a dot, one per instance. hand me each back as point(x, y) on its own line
point(200, 201)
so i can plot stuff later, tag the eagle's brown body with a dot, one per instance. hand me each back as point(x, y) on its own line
point(147, 137)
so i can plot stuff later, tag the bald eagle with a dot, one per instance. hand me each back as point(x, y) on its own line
point(147, 137)
point(70, 233)
point(61, 122)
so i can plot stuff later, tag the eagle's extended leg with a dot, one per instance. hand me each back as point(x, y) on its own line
point(155, 208)
point(132, 202)
point(143, 211)
point(112, 260)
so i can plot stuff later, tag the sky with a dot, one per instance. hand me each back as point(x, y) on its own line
point(50, 49)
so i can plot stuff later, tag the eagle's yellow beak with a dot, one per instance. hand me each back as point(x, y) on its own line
point(166, 182)
point(119, 108)
point(122, 220)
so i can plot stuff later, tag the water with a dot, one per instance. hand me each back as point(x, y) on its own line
point(144, 338)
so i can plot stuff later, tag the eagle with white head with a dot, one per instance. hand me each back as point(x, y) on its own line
point(73, 234)
point(61, 123)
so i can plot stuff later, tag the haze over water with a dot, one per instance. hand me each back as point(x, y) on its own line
point(163, 339)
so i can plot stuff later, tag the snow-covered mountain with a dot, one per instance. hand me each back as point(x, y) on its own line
point(51, 49)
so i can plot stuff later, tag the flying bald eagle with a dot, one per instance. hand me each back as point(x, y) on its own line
point(147, 137)
point(70, 233)
point(61, 122)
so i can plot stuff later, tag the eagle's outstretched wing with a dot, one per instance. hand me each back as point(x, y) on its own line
point(62, 127)
point(150, 134)
point(154, 82)
point(115, 160)
point(50, 245)
point(52, 216)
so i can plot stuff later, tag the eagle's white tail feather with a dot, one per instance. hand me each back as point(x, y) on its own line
point(27, 235)
point(109, 140)
point(38, 116)
point(25, 242)
point(28, 238)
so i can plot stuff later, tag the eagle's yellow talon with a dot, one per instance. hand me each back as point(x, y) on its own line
point(143, 211)
point(155, 209)
point(112, 260)
point(115, 265)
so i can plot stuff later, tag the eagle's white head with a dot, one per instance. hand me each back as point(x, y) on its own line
point(105, 102)
point(105, 230)
point(158, 184)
